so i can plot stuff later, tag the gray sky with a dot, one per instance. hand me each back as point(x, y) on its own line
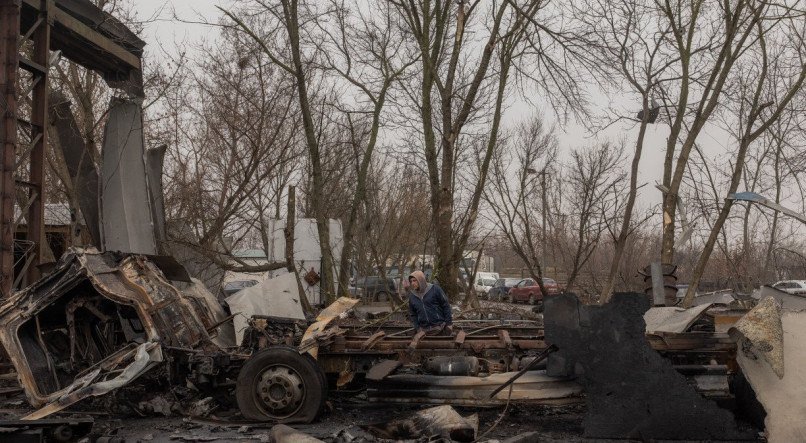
point(168, 34)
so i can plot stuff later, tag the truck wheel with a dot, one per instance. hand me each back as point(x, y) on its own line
point(279, 383)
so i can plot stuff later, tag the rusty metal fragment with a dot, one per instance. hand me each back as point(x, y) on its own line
point(317, 330)
point(382, 369)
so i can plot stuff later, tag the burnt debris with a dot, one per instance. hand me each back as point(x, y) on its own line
point(631, 391)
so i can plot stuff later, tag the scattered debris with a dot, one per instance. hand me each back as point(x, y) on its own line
point(286, 434)
point(526, 437)
point(440, 421)
point(672, 319)
point(277, 297)
point(45, 430)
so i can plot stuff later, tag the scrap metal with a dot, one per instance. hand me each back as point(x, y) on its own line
point(101, 320)
point(121, 300)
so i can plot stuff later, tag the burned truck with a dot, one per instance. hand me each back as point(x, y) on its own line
point(102, 324)
point(103, 321)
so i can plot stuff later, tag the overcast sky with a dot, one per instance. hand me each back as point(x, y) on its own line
point(168, 34)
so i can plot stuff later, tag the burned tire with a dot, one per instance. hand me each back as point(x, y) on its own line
point(280, 384)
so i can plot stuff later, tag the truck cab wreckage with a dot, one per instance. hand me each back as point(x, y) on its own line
point(103, 322)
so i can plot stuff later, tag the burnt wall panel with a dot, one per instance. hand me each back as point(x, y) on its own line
point(632, 392)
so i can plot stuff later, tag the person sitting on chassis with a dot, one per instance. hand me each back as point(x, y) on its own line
point(429, 309)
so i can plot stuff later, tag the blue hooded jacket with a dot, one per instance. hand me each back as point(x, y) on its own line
point(431, 308)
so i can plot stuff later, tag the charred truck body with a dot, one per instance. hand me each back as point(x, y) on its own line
point(100, 321)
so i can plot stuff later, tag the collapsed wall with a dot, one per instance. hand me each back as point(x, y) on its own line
point(631, 391)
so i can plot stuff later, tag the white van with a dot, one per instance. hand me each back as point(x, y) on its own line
point(484, 281)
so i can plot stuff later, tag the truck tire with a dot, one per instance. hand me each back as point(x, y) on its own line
point(280, 384)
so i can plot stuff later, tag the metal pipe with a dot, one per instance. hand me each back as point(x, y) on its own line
point(540, 357)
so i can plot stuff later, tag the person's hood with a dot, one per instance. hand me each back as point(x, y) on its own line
point(422, 282)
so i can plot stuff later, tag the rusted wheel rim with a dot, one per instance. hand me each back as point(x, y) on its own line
point(280, 391)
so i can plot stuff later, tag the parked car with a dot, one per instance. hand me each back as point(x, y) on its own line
point(797, 287)
point(484, 282)
point(501, 288)
point(528, 291)
point(372, 289)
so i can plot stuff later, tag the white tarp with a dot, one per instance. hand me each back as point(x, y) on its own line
point(276, 297)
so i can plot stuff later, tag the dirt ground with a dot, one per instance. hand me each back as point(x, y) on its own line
point(344, 417)
point(552, 424)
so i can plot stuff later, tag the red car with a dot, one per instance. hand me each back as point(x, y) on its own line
point(528, 291)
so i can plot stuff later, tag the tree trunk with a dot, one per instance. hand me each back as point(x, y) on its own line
point(322, 222)
point(699, 269)
point(359, 196)
point(621, 240)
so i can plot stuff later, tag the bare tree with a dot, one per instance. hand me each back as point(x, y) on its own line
point(468, 51)
point(762, 93)
point(363, 47)
point(708, 40)
point(290, 16)
point(632, 42)
point(233, 132)
point(592, 180)
point(525, 162)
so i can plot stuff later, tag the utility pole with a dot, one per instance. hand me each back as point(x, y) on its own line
point(9, 32)
point(543, 211)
